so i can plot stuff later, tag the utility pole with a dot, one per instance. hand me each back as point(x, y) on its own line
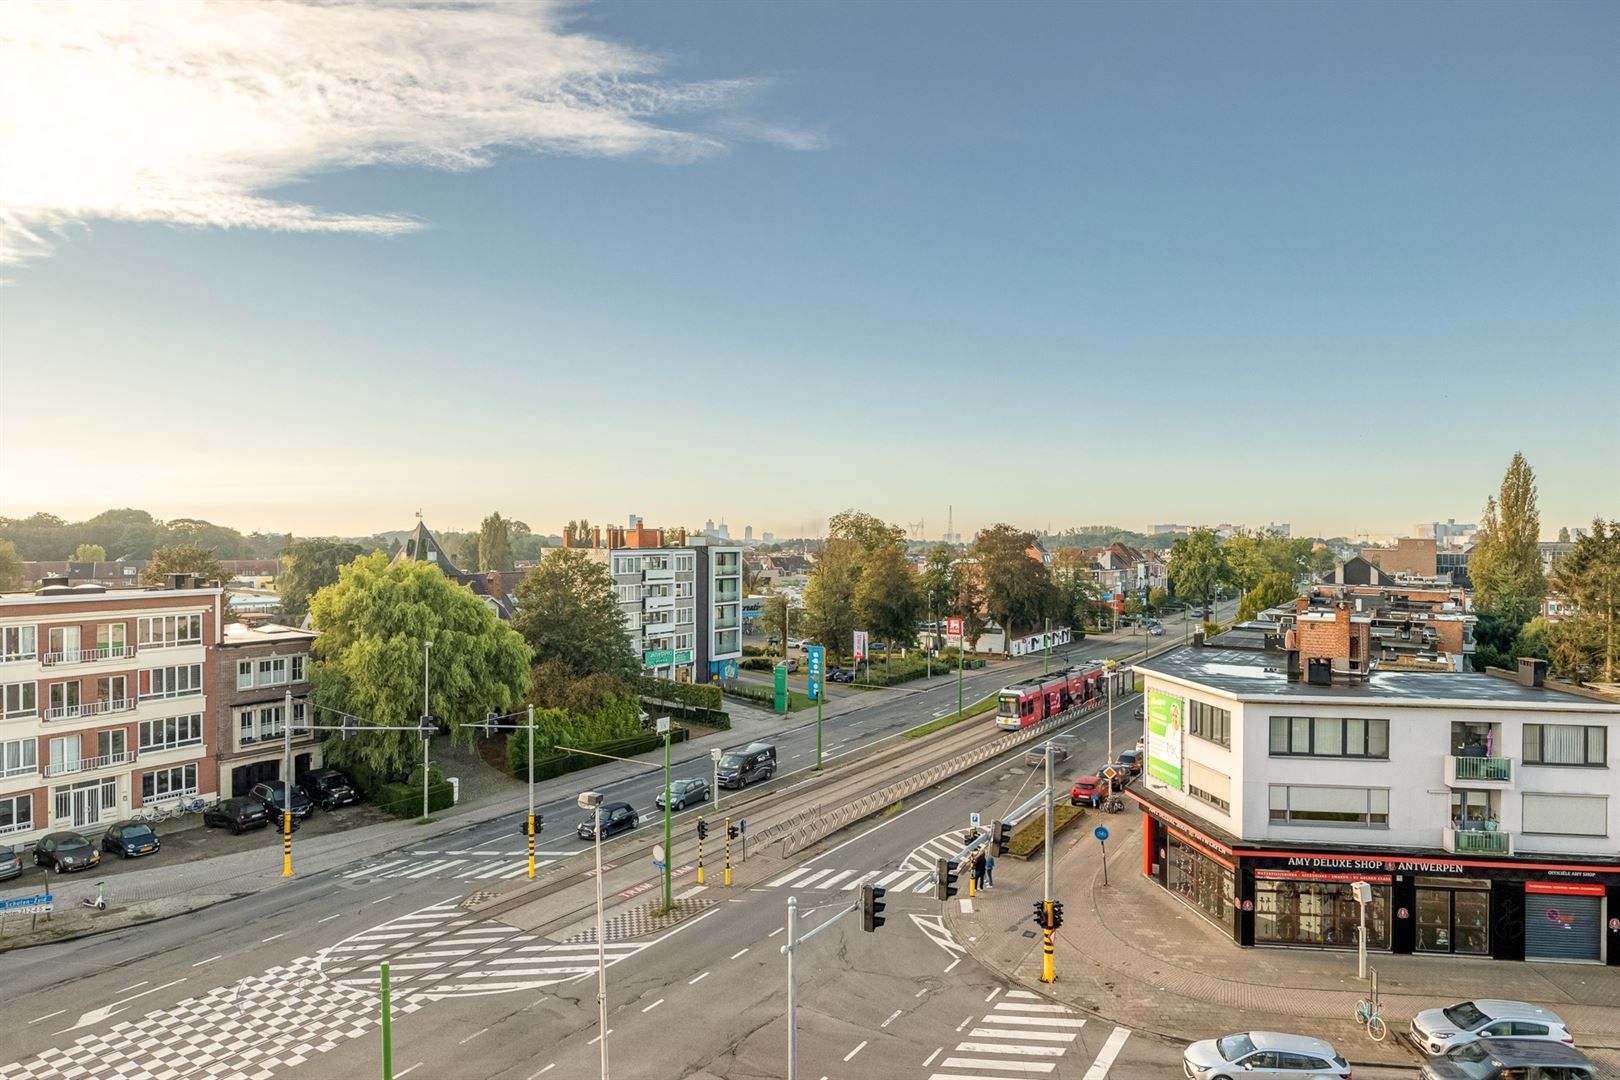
point(427, 713)
point(669, 847)
point(789, 950)
point(1047, 832)
point(531, 792)
point(286, 786)
point(1046, 642)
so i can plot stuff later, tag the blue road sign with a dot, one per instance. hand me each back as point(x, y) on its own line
point(26, 902)
point(816, 669)
point(1100, 832)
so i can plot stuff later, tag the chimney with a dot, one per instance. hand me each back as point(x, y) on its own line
point(1293, 665)
point(596, 536)
point(1532, 672)
point(1198, 639)
point(1319, 671)
point(568, 536)
point(179, 581)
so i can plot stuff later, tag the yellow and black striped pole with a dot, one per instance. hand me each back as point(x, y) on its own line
point(531, 847)
point(728, 853)
point(700, 850)
point(1048, 972)
point(286, 843)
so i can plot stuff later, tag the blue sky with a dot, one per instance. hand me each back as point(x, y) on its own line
point(1051, 264)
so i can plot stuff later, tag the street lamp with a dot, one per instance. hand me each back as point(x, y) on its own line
point(427, 722)
point(669, 844)
point(592, 801)
point(1363, 894)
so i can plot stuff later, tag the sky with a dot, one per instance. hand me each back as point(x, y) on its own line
point(316, 268)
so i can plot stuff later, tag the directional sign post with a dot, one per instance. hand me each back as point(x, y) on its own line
point(1101, 833)
point(815, 658)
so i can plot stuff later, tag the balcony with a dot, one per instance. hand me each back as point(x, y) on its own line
point(83, 765)
point(89, 708)
point(1478, 842)
point(651, 602)
point(64, 657)
point(1486, 772)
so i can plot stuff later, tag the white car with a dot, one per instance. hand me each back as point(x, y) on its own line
point(1436, 1031)
point(1264, 1053)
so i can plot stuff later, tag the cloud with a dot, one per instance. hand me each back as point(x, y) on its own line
point(187, 113)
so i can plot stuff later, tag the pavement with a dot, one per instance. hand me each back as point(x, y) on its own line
point(1134, 954)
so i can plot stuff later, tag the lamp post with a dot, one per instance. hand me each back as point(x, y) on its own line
point(427, 715)
point(1363, 894)
point(531, 792)
point(669, 845)
point(286, 786)
point(592, 801)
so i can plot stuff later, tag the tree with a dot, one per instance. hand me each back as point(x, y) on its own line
point(89, 553)
point(495, 543)
point(193, 559)
point(968, 603)
point(1505, 566)
point(373, 624)
point(1158, 599)
point(308, 566)
point(1273, 589)
point(938, 582)
point(776, 620)
point(867, 533)
point(886, 598)
point(1018, 590)
point(1197, 565)
point(1586, 644)
point(1563, 534)
point(1323, 562)
point(829, 597)
point(567, 610)
point(13, 578)
point(1079, 598)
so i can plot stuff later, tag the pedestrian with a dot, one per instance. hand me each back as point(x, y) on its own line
point(1094, 798)
point(978, 871)
point(990, 870)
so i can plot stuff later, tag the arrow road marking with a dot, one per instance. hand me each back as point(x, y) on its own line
point(96, 1016)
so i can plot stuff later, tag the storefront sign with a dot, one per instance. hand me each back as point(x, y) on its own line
point(1310, 875)
point(1165, 719)
point(657, 657)
point(1562, 888)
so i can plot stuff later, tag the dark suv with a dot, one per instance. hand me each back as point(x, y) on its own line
point(271, 795)
point(739, 768)
point(1510, 1059)
point(238, 814)
point(615, 817)
point(328, 787)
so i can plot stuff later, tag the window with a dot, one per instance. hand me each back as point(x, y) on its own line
point(112, 688)
point(110, 638)
point(684, 615)
point(273, 672)
point(171, 733)
point(16, 813)
point(64, 698)
point(19, 699)
point(244, 727)
point(166, 631)
point(1213, 787)
point(18, 757)
point(1297, 805)
point(171, 681)
point(165, 783)
point(111, 743)
point(19, 643)
point(1208, 722)
point(1565, 744)
point(297, 669)
point(300, 719)
point(1329, 736)
point(244, 674)
point(270, 722)
point(1566, 815)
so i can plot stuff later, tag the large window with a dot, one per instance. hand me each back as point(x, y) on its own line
point(167, 783)
point(171, 733)
point(1565, 744)
point(171, 681)
point(16, 813)
point(273, 671)
point(297, 668)
point(1566, 815)
point(1329, 736)
point(19, 699)
point(19, 643)
point(1208, 722)
point(1209, 785)
point(164, 631)
point(244, 674)
point(19, 757)
point(1198, 879)
point(1299, 805)
point(1291, 912)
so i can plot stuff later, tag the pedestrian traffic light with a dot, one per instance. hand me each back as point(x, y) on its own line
point(1003, 837)
point(872, 907)
point(1040, 914)
point(731, 832)
point(348, 727)
point(945, 879)
point(703, 829)
point(492, 722)
point(428, 726)
point(1057, 914)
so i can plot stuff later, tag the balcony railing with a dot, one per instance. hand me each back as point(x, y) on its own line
point(1468, 771)
point(84, 765)
point(90, 708)
point(1478, 842)
point(87, 656)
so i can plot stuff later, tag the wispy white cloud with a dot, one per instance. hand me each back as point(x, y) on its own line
point(187, 113)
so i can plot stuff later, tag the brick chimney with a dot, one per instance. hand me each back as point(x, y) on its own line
point(596, 536)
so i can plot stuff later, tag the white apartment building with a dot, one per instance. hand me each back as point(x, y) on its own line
point(682, 607)
point(1483, 811)
point(103, 703)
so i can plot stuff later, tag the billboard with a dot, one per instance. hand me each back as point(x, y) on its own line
point(1165, 718)
point(860, 645)
point(815, 662)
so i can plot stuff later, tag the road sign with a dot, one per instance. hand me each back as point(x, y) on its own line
point(42, 900)
point(663, 725)
point(815, 662)
point(860, 644)
point(973, 821)
point(953, 627)
point(1110, 773)
point(714, 753)
point(658, 856)
point(657, 658)
point(1100, 832)
point(781, 688)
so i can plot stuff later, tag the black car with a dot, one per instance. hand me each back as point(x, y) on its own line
point(615, 817)
point(838, 674)
point(64, 851)
point(272, 796)
point(1510, 1059)
point(130, 839)
point(329, 788)
point(238, 814)
point(1132, 760)
point(10, 862)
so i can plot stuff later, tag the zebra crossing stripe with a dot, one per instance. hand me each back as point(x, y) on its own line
point(805, 883)
point(1022, 1067)
point(1029, 1007)
point(370, 871)
point(785, 878)
point(841, 875)
point(1024, 995)
point(915, 879)
point(887, 880)
point(1009, 1048)
point(1034, 1021)
point(1003, 1033)
point(1110, 1051)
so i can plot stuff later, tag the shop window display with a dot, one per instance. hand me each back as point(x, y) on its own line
point(1323, 913)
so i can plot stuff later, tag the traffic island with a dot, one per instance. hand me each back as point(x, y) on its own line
point(627, 924)
point(1030, 838)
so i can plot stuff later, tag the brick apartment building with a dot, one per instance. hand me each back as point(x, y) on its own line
point(259, 666)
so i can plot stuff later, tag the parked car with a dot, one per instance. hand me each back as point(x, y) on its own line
point(1510, 1059)
point(877, 646)
point(130, 839)
point(329, 788)
point(791, 664)
point(10, 862)
point(1434, 1031)
point(65, 851)
point(238, 814)
point(693, 790)
point(1138, 715)
point(1062, 747)
point(273, 794)
point(1264, 1053)
point(838, 674)
point(796, 643)
point(739, 768)
point(1085, 787)
point(1132, 760)
point(614, 817)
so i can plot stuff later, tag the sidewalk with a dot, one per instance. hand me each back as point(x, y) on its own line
point(1136, 955)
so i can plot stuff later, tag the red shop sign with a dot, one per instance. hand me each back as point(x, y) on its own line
point(1310, 875)
point(1562, 888)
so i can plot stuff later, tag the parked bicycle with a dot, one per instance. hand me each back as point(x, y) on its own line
point(157, 813)
point(1369, 1014)
point(1114, 804)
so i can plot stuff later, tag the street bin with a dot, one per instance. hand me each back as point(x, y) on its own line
point(455, 790)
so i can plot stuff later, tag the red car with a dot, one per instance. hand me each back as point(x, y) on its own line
point(1085, 788)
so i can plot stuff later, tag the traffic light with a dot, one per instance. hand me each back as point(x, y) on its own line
point(872, 907)
point(945, 879)
point(1057, 914)
point(492, 722)
point(1040, 914)
point(731, 832)
point(703, 829)
point(1002, 833)
point(348, 727)
point(429, 726)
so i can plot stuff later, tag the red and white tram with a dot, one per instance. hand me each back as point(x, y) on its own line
point(1033, 700)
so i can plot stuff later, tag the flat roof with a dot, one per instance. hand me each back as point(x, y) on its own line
point(242, 634)
point(1258, 676)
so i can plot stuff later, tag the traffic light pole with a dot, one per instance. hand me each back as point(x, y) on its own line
point(427, 654)
point(1047, 832)
point(788, 950)
point(669, 844)
point(531, 792)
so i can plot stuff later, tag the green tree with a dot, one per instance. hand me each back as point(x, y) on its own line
point(775, 620)
point(13, 578)
point(1158, 599)
point(373, 624)
point(223, 541)
point(567, 610)
point(1587, 579)
point(968, 603)
point(1273, 589)
point(1197, 565)
point(89, 553)
point(938, 582)
point(1080, 601)
point(1322, 563)
point(1505, 566)
point(1018, 590)
point(191, 559)
point(868, 534)
point(495, 543)
point(829, 597)
point(886, 599)
point(1563, 534)
point(1246, 561)
point(308, 566)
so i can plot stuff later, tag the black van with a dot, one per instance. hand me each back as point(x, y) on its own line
point(739, 768)
point(1511, 1059)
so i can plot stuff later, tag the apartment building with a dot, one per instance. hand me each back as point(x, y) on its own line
point(1420, 627)
point(682, 603)
point(1483, 811)
point(103, 700)
point(258, 668)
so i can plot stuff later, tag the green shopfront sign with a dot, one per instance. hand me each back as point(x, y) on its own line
point(683, 656)
point(657, 657)
point(1165, 718)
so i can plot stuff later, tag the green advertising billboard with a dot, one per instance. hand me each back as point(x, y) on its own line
point(1165, 718)
point(657, 657)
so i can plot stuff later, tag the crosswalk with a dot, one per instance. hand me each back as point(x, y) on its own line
point(451, 865)
point(916, 873)
point(1023, 1035)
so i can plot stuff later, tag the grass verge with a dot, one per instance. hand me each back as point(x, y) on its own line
point(1030, 836)
point(968, 712)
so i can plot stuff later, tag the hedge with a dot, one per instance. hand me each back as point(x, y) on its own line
point(715, 718)
point(1031, 836)
point(547, 766)
point(750, 692)
point(693, 695)
point(405, 800)
point(758, 663)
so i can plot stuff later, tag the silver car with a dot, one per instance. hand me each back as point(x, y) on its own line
point(1062, 747)
point(1264, 1053)
point(693, 791)
point(1435, 1031)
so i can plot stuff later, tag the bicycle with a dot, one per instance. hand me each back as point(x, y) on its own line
point(1368, 1014)
point(151, 815)
point(194, 805)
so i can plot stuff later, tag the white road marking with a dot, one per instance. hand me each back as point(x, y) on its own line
point(329, 918)
point(931, 1057)
point(967, 905)
point(210, 960)
point(598, 1039)
point(861, 1046)
point(405, 1072)
point(1009, 1048)
point(890, 1020)
point(137, 986)
point(381, 899)
point(739, 952)
point(1110, 1051)
point(1003, 1033)
point(1024, 994)
point(998, 1064)
point(653, 1006)
point(778, 930)
point(545, 1070)
point(841, 875)
point(963, 1024)
point(805, 883)
point(921, 992)
point(473, 1036)
point(785, 878)
point(1029, 1007)
point(272, 937)
point(47, 1016)
point(993, 994)
point(1034, 1021)
point(952, 964)
point(700, 978)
